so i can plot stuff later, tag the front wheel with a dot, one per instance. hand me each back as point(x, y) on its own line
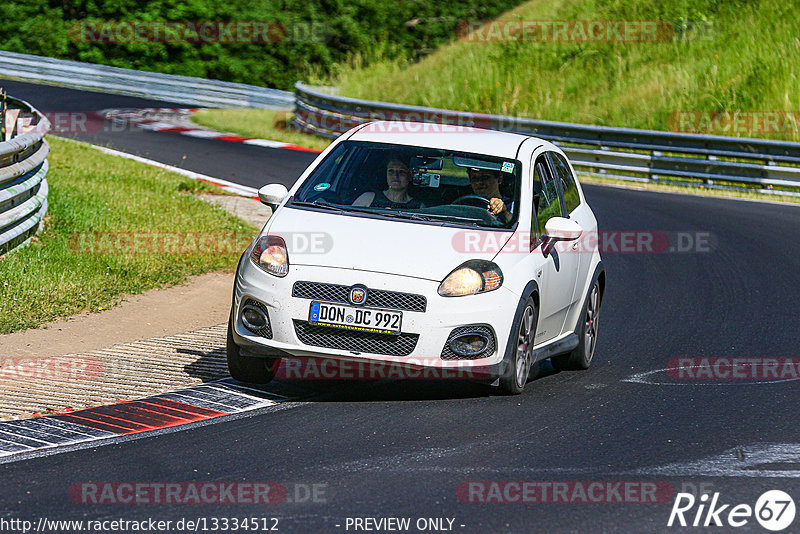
point(581, 357)
point(247, 368)
point(519, 368)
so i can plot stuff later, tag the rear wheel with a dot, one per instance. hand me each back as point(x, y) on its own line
point(247, 368)
point(519, 368)
point(581, 357)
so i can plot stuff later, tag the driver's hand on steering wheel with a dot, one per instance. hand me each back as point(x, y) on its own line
point(498, 207)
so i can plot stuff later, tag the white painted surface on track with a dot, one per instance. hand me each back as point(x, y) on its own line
point(201, 133)
point(646, 377)
point(762, 460)
point(771, 460)
point(155, 126)
point(178, 120)
point(265, 143)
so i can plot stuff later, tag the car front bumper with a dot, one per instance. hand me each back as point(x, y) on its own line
point(441, 316)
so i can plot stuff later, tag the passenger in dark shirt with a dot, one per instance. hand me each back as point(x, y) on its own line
point(395, 196)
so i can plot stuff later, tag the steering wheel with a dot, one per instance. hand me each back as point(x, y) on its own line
point(472, 200)
point(477, 201)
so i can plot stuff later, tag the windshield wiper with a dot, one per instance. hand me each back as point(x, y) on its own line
point(405, 215)
point(317, 204)
point(344, 208)
point(388, 213)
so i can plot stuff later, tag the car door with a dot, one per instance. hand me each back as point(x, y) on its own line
point(575, 208)
point(557, 269)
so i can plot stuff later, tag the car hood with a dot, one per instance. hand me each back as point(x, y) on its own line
point(402, 247)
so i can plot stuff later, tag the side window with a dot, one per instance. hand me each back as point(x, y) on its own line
point(545, 197)
point(571, 196)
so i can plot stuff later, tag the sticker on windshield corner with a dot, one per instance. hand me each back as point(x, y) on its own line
point(507, 167)
point(324, 186)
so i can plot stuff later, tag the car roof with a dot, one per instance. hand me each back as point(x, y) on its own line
point(444, 136)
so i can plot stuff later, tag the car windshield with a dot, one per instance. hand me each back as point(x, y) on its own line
point(414, 183)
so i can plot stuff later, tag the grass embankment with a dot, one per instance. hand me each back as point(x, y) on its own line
point(113, 227)
point(258, 123)
point(715, 58)
point(722, 57)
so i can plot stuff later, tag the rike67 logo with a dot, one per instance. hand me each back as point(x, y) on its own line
point(774, 510)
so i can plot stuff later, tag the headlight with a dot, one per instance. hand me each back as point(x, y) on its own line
point(471, 277)
point(269, 253)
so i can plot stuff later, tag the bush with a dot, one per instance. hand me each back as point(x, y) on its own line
point(318, 33)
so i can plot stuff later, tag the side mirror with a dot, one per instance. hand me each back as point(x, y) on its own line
point(272, 195)
point(562, 229)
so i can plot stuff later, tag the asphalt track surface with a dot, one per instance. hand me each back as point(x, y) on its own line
point(76, 112)
point(401, 449)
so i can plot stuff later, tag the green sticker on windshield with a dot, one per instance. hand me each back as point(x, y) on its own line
point(507, 167)
point(321, 187)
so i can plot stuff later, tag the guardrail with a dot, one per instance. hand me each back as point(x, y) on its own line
point(626, 153)
point(23, 183)
point(173, 88)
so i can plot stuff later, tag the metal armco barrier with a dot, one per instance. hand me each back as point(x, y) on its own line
point(181, 89)
point(641, 155)
point(23, 183)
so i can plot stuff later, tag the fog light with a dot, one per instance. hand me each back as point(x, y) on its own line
point(469, 344)
point(253, 318)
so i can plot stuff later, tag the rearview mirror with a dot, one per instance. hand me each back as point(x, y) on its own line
point(272, 195)
point(562, 229)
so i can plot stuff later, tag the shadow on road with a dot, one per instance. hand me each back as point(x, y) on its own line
point(379, 390)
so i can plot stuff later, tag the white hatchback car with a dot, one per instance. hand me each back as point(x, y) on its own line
point(426, 247)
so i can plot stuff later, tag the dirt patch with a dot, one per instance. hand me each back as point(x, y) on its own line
point(247, 209)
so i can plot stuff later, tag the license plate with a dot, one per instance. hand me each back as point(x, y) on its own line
point(373, 320)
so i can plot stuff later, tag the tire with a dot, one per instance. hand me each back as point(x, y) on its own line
point(580, 358)
point(519, 368)
point(249, 369)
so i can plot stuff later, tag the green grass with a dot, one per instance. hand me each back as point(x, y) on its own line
point(197, 187)
point(724, 57)
point(99, 206)
point(740, 56)
point(259, 123)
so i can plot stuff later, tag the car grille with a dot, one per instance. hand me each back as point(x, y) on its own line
point(376, 298)
point(331, 338)
point(448, 354)
point(265, 332)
